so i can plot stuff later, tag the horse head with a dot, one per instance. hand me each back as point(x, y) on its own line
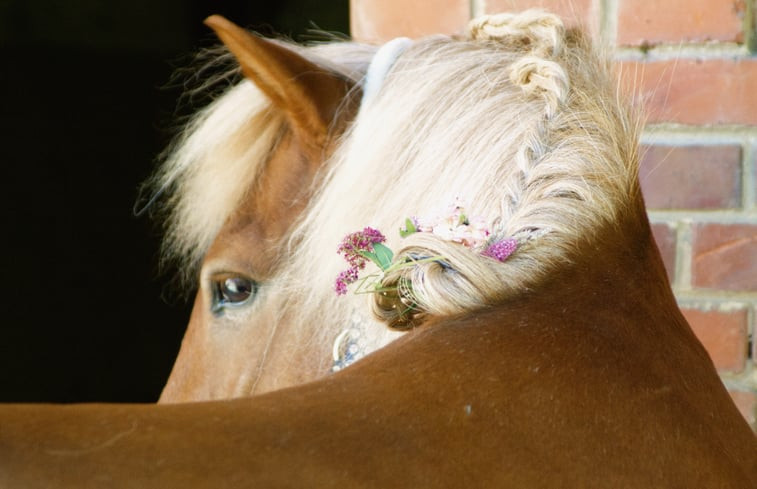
point(240, 176)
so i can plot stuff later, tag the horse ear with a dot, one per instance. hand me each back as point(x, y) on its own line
point(308, 94)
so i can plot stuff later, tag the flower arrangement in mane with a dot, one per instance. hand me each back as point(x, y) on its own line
point(368, 245)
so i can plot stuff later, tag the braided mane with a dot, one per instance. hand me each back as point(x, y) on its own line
point(521, 121)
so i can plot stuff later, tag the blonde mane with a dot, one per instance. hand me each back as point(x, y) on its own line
point(521, 121)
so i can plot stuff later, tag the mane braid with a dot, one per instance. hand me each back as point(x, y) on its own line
point(523, 123)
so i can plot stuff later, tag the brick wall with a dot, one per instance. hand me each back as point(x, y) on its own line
point(691, 63)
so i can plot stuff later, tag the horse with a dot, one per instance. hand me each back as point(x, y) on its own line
point(535, 338)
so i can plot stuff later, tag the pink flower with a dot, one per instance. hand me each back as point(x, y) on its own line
point(350, 248)
point(457, 227)
point(354, 243)
point(345, 278)
point(501, 250)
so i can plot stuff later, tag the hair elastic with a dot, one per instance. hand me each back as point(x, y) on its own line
point(380, 66)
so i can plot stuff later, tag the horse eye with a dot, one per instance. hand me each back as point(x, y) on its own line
point(232, 291)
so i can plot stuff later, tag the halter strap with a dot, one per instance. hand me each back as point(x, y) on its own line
point(380, 66)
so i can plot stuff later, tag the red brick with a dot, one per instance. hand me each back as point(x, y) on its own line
point(665, 237)
point(649, 22)
point(691, 177)
point(694, 91)
point(381, 20)
point(723, 334)
point(747, 404)
point(724, 256)
point(575, 13)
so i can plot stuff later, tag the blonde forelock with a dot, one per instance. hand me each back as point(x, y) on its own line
point(216, 159)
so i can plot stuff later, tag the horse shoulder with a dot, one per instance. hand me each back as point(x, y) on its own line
point(488, 400)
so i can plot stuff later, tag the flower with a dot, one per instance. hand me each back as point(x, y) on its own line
point(501, 250)
point(356, 248)
point(456, 226)
point(355, 244)
point(359, 247)
point(345, 278)
point(411, 227)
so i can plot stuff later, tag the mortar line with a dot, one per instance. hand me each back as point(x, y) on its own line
point(739, 382)
point(749, 27)
point(477, 8)
point(608, 22)
point(706, 302)
point(683, 134)
point(669, 52)
point(749, 177)
point(725, 216)
point(683, 257)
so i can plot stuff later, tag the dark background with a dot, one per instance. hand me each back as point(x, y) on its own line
point(85, 312)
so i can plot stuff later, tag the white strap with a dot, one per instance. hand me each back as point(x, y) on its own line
point(381, 64)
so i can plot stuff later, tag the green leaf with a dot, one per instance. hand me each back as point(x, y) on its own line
point(408, 229)
point(369, 256)
point(383, 256)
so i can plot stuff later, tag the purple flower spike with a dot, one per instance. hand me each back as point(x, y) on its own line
point(501, 250)
point(340, 287)
point(345, 278)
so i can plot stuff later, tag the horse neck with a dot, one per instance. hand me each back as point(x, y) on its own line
point(616, 279)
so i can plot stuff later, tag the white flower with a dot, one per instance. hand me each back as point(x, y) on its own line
point(456, 226)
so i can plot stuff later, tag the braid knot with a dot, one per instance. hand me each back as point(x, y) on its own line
point(541, 36)
point(535, 30)
point(538, 76)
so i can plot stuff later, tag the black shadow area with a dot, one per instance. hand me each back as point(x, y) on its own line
point(85, 314)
